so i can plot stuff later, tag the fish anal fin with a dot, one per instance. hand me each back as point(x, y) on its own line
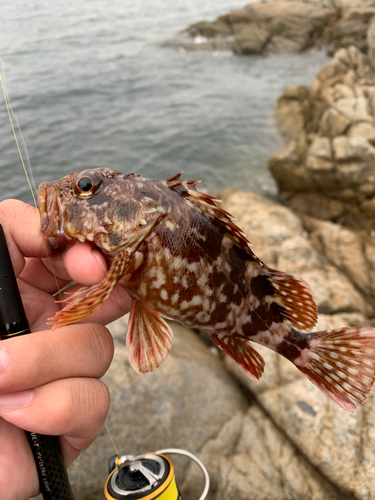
point(149, 338)
point(295, 298)
point(341, 363)
point(87, 299)
point(243, 353)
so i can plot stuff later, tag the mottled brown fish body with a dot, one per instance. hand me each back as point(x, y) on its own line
point(182, 257)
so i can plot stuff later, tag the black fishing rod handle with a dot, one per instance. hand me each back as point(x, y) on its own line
point(52, 473)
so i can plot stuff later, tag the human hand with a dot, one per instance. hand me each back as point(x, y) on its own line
point(49, 381)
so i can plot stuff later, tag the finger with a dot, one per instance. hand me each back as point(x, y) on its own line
point(42, 274)
point(74, 408)
point(81, 262)
point(15, 217)
point(38, 305)
point(73, 351)
point(84, 263)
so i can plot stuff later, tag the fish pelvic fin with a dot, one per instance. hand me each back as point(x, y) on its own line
point(148, 338)
point(341, 363)
point(243, 353)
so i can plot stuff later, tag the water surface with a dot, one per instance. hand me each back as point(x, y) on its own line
point(92, 85)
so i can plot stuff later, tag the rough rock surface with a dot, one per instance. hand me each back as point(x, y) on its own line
point(338, 444)
point(327, 167)
point(286, 26)
point(278, 438)
point(277, 26)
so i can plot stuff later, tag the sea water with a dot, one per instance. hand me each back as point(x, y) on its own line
point(93, 85)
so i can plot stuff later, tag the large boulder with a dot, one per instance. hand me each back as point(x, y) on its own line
point(327, 167)
point(275, 26)
point(287, 26)
point(338, 444)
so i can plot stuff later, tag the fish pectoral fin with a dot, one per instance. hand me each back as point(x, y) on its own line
point(87, 299)
point(243, 353)
point(341, 363)
point(149, 338)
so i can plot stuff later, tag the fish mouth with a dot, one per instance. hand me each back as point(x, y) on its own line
point(50, 216)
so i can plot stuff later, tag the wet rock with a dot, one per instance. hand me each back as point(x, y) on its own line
point(250, 40)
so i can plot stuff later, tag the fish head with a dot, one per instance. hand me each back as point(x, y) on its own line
point(98, 205)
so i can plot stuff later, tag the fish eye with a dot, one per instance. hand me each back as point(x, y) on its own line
point(87, 184)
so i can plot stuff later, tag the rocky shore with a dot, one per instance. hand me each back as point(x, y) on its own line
point(326, 168)
point(280, 438)
point(285, 26)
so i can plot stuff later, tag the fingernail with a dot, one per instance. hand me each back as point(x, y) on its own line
point(3, 361)
point(15, 400)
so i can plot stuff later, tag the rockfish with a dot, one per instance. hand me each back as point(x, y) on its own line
point(181, 257)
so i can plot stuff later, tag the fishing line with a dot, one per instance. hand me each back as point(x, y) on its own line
point(10, 113)
point(111, 439)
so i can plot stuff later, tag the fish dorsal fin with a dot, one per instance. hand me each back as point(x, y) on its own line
point(242, 352)
point(149, 338)
point(207, 205)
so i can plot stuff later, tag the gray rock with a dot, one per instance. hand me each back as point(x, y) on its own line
point(277, 26)
point(293, 26)
point(262, 464)
point(333, 175)
point(280, 240)
point(371, 42)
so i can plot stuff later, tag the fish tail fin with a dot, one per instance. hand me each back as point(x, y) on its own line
point(341, 363)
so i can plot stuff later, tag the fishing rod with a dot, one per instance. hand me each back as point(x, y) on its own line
point(52, 473)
